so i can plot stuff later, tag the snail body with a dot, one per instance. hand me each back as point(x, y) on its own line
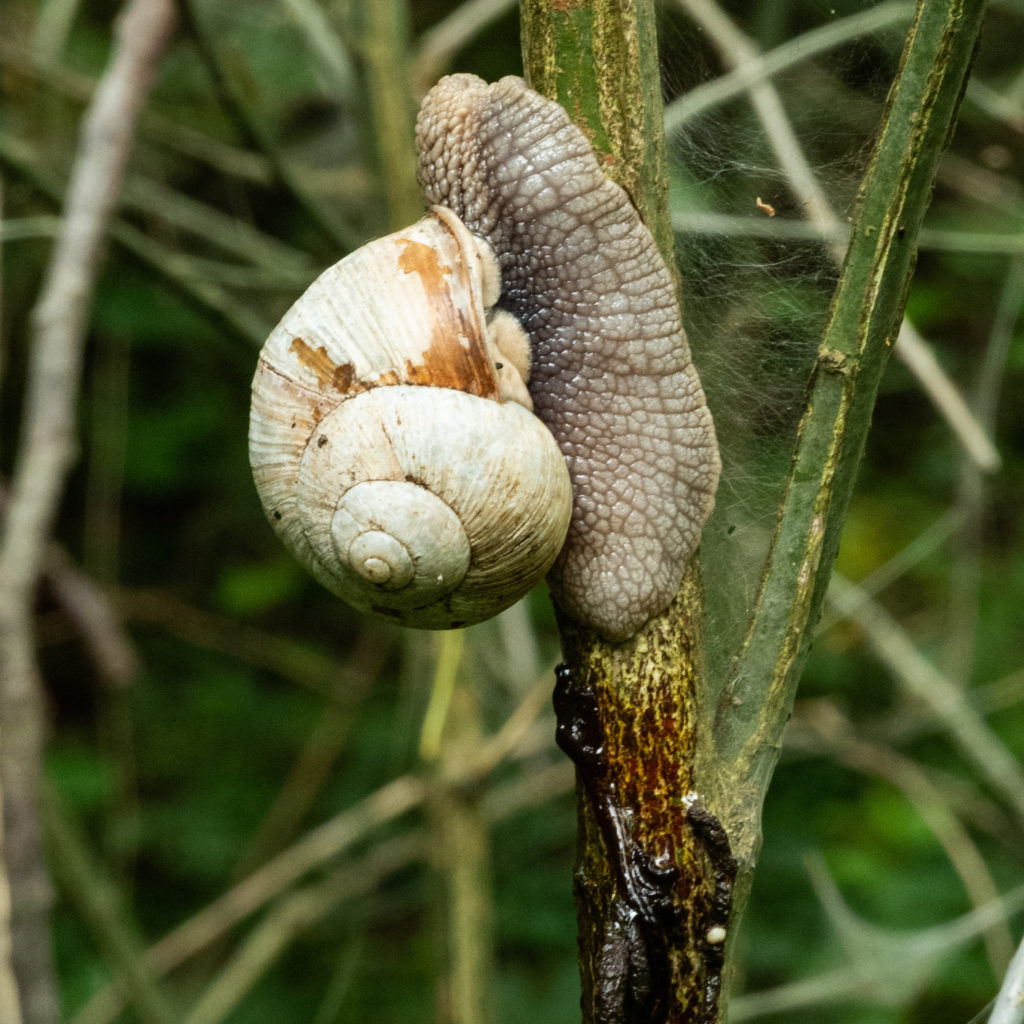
point(531, 283)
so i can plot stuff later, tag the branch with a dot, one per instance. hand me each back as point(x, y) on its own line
point(10, 1004)
point(236, 103)
point(866, 310)
point(946, 701)
point(284, 875)
point(383, 39)
point(101, 906)
point(762, 67)
point(177, 268)
point(652, 868)
point(822, 728)
point(46, 452)
point(439, 44)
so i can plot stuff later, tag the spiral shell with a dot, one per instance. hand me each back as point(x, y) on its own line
point(391, 439)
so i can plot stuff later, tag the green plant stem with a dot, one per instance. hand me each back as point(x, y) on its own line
point(384, 45)
point(863, 323)
point(599, 60)
point(461, 837)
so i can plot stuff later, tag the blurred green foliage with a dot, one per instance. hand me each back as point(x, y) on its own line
point(251, 675)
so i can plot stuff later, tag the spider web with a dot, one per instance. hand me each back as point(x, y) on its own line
point(763, 177)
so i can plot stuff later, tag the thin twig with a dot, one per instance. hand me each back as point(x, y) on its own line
point(803, 47)
point(965, 579)
point(391, 801)
point(52, 29)
point(450, 646)
point(330, 840)
point(832, 734)
point(383, 44)
point(517, 658)
point(185, 141)
point(47, 448)
point(276, 876)
point(298, 662)
point(10, 1004)
point(338, 75)
point(945, 699)
point(999, 106)
point(177, 267)
point(237, 104)
point(17, 229)
point(89, 607)
point(235, 236)
point(100, 904)
point(297, 911)
point(702, 222)
point(919, 357)
point(924, 544)
point(460, 840)
point(4, 236)
point(891, 966)
point(316, 759)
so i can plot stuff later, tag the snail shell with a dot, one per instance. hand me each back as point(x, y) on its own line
point(391, 439)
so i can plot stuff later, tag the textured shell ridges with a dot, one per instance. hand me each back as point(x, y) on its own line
point(382, 453)
point(611, 376)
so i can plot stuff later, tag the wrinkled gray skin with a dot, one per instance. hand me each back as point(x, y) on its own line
point(611, 372)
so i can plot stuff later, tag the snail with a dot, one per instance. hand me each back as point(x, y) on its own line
point(391, 436)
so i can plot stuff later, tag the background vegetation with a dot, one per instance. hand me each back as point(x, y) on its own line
point(250, 776)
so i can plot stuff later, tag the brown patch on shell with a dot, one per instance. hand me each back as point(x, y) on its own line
point(328, 373)
point(342, 378)
point(457, 355)
point(315, 359)
point(420, 258)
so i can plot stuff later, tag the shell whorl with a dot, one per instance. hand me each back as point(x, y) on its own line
point(374, 533)
point(393, 454)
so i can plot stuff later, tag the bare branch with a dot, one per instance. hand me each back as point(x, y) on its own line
point(47, 449)
point(823, 728)
point(10, 1004)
